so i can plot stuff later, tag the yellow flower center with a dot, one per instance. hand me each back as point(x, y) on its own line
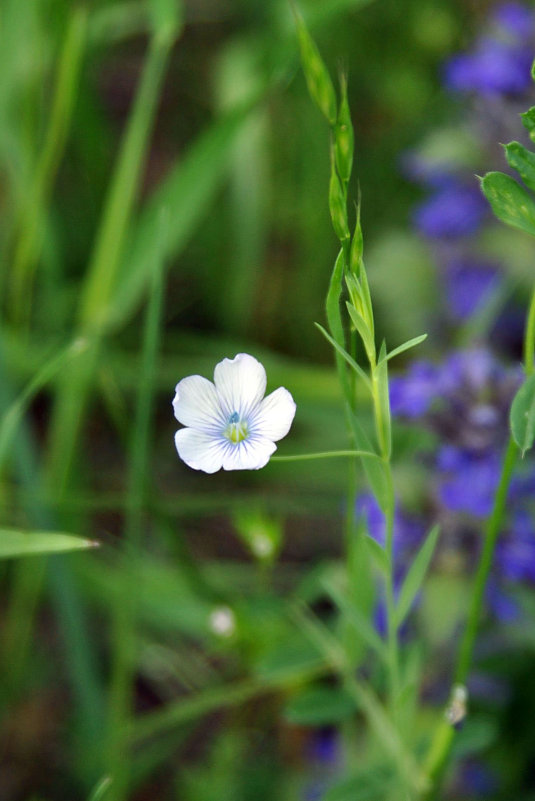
point(237, 430)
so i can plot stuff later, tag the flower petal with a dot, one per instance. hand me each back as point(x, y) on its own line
point(196, 404)
point(274, 416)
point(200, 450)
point(240, 384)
point(250, 454)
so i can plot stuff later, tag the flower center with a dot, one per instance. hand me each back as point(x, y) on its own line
point(237, 430)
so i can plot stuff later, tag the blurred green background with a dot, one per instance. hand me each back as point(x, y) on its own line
point(163, 204)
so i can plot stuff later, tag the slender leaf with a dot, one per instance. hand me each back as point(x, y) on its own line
point(319, 706)
point(384, 403)
point(379, 555)
point(365, 333)
point(29, 543)
point(416, 575)
point(411, 343)
point(317, 77)
point(352, 363)
point(522, 416)
point(374, 468)
point(510, 202)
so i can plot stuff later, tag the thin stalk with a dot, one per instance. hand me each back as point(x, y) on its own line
point(303, 457)
point(442, 742)
point(392, 632)
point(529, 338)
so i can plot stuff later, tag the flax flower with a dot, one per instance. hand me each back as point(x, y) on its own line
point(229, 423)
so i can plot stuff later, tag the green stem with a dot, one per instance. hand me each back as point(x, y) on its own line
point(442, 742)
point(392, 633)
point(302, 457)
point(529, 338)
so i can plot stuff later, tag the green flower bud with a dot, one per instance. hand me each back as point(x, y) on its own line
point(337, 206)
point(344, 141)
point(317, 77)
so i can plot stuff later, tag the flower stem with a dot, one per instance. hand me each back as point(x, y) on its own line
point(442, 742)
point(302, 457)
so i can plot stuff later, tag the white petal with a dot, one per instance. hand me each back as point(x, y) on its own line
point(200, 450)
point(240, 384)
point(274, 416)
point(196, 404)
point(250, 454)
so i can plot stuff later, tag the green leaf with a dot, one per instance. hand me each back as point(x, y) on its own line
point(317, 77)
point(27, 543)
point(319, 706)
point(384, 402)
point(379, 555)
point(523, 161)
point(416, 575)
point(411, 343)
point(528, 120)
point(373, 467)
point(365, 333)
point(337, 205)
point(510, 202)
point(332, 303)
point(349, 359)
point(352, 615)
point(344, 139)
point(522, 415)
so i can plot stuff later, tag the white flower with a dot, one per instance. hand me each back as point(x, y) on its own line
point(222, 621)
point(229, 424)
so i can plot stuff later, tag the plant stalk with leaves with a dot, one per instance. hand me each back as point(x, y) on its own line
point(349, 280)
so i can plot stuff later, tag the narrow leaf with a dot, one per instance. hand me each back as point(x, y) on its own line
point(374, 468)
point(411, 343)
point(352, 363)
point(522, 416)
point(510, 202)
point(27, 543)
point(415, 577)
point(355, 618)
point(332, 302)
point(379, 555)
point(384, 403)
point(365, 333)
point(317, 77)
point(523, 161)
point(319, 706)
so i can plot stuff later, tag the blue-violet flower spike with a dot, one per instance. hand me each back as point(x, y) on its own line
point(229, 423)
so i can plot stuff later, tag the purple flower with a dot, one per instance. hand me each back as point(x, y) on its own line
point(515, 19)
point(501, 605)
point(468, 286)
point(454, 210)
point(408, 530)
point(411, 395)
point(516, 551)
point(467, 482)
point(495, 67)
